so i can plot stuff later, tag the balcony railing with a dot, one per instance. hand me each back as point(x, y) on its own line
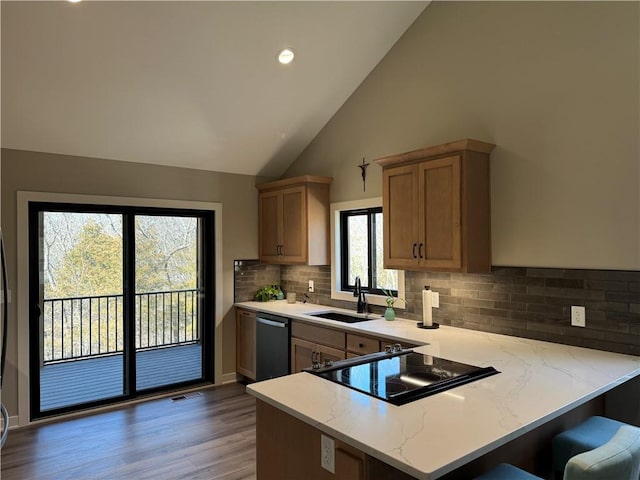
point(83, 327)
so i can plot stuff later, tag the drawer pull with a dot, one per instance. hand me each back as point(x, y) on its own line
point(361, 345)
point(315, 360)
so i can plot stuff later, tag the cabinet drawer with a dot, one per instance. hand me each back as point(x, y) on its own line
point(362, 345)
point(246, 313)
point(324, 336)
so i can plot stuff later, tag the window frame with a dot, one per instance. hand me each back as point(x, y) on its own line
point(24, 198)
point(337, 290)
point(370, 214)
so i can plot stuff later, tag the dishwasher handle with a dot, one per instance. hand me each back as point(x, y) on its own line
point(271, 323)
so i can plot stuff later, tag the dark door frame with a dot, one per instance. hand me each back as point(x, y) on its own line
point(207, 264)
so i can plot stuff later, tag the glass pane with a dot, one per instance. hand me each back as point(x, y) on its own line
point(384, 279)
point(358, 261)
point(167, 301)
point(81, 321)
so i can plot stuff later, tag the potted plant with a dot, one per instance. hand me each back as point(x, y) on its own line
point(390, 313)
point(269, 292)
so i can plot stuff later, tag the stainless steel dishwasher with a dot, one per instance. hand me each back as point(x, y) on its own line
point(272, 346)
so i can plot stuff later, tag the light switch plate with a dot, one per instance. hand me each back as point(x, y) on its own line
point(311, 286)
point(435, 299)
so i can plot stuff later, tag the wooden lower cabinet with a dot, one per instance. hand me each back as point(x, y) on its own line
point(361, 344)
point(309, 342)
point(384, 343)
point(246, 343)
point(303, 352)
point(287, 449)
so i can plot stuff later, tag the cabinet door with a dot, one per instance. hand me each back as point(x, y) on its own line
point(246, 343)
point(439, 187)
point(270, 218)
point(294, 226)
point(349, 463)
point(328, 353)
point(400, 206)
point(301, 354)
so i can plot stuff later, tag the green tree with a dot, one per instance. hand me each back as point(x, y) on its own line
point(162, 264)
point(93, 266)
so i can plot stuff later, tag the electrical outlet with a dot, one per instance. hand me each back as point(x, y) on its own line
point(435, 299)
point(578, 317)
point(311, 286)
point(327, 454)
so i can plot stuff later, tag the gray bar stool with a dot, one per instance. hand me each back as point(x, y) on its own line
point(617, 459)
point(590, 434)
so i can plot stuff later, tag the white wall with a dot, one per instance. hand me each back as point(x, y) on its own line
point(555, 85)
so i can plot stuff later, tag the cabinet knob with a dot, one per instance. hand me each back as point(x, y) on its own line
point(361, 345)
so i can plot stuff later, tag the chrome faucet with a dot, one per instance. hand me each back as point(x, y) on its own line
point(362, 301)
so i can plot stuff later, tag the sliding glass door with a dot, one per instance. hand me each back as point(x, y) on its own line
point(121, 303)
point(80, 325)
point(167, 300)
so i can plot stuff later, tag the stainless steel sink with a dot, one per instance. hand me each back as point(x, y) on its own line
point(341, 317)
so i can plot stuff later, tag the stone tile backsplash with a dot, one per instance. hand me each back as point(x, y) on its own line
point(536, 303)
point(525, 302)
point(249, 276)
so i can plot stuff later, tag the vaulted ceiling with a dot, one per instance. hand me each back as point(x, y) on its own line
point(191, 84)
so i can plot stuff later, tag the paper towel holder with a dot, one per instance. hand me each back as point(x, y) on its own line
point(433, 326)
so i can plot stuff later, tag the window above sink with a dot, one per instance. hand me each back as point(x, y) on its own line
point(361, 213)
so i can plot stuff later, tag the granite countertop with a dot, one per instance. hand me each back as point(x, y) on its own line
point(432, 436)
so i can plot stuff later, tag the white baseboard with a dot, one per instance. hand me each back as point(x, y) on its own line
point(13, 422)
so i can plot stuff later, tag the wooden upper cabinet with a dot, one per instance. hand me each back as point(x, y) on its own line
point(294, 231)
point(400, 207)
point(269, 215)
point(439, 206)
point(436, 203)
point(294, 221)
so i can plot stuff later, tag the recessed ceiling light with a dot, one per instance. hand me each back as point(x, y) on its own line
point(74, 1)
point(285, 56)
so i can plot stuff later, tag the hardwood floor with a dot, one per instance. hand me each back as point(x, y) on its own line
point(209, 436)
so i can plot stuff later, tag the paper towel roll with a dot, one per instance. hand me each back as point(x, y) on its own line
point(427, 319)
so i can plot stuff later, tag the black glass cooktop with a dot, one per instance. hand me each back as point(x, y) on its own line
point(401, 377)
